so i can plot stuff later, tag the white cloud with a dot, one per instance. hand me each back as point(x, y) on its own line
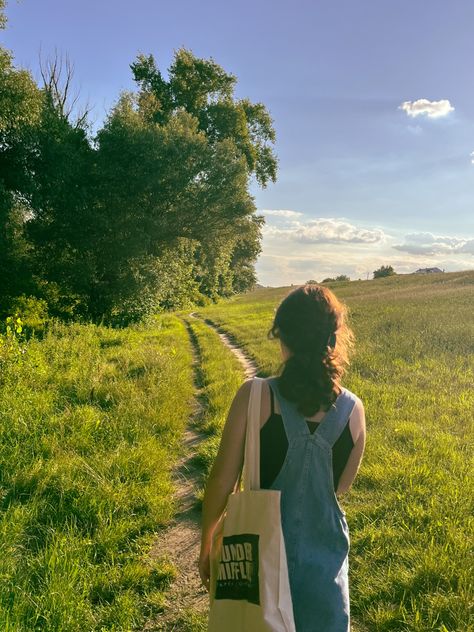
point(327, 230)
point(283, 262)
point(468, 247)
point(472, 157)
point(297, 248)
point(432, 109)
point(429, 244)
point(282, 213)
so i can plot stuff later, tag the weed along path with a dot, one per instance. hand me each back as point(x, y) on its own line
point(186, 602)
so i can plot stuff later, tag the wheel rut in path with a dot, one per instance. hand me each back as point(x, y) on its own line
point(180, 541)
point(250, 366)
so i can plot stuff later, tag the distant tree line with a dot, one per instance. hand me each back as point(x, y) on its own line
point(383, 271)
point(152, 212)
point(340, 277)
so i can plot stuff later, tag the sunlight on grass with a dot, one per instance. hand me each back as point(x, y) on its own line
point(91, 424)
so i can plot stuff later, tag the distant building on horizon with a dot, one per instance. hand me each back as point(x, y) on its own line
point(427, 270)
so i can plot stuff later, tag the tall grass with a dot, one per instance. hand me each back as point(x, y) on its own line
point(410, 510)
point(90, 423)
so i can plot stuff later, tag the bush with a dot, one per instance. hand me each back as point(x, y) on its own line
point(34, 313)
point(384, 271)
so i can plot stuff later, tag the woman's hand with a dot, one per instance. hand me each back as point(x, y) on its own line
point(205, 569)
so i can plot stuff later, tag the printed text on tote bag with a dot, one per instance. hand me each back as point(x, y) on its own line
point(237, 577)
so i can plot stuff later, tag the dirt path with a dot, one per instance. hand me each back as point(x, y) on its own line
point(250, 367)
point(180, 541)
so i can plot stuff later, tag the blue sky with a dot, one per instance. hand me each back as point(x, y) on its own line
point(372, 102)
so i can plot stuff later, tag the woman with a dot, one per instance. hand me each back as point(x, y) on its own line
point(312, 439)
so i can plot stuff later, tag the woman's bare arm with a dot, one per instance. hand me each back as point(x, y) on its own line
point(358, 431)
point(225, 473)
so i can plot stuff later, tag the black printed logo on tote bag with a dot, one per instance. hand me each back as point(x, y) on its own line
point(237, 575)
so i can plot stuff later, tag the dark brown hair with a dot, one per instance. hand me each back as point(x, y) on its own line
point(312, 323)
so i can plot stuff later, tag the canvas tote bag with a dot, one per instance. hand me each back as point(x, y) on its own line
point(249, 587)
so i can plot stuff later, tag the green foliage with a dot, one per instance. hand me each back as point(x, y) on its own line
point(20, 103)
point(20, 108)
point(384, 271)
point(34, 313)
point(202, 88)
point(98, 227)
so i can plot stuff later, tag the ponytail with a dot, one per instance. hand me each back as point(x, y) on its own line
point(311, 323)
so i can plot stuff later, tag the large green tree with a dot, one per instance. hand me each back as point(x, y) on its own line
point(154, 211)
point(170, 166)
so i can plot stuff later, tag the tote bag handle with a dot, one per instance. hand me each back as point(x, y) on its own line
point(251, 469)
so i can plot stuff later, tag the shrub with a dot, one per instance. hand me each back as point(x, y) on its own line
point(384, 271)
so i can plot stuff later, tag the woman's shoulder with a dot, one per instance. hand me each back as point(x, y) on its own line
point(351, 395)
point(243, 393)
point(356, 416)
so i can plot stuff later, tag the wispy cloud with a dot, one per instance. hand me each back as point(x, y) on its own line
point(424, 107)
point(472, 157)
point(326, 230)
point(430, 245)
point(282, 213)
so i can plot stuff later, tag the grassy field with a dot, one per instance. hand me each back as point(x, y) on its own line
point(410, 509)
point(91, 423)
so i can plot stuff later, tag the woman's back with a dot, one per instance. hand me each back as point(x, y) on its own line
point(314, 525)
point(274, 442)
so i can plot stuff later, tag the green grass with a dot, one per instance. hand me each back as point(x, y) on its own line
point(189, 621)
point(91, 423)
point(410, 509)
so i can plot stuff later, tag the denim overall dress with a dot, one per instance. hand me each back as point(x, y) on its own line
point(314, 525)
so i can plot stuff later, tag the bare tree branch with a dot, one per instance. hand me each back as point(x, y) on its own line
point(57, 74)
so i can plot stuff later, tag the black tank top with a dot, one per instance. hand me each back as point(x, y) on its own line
point(274, 444)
